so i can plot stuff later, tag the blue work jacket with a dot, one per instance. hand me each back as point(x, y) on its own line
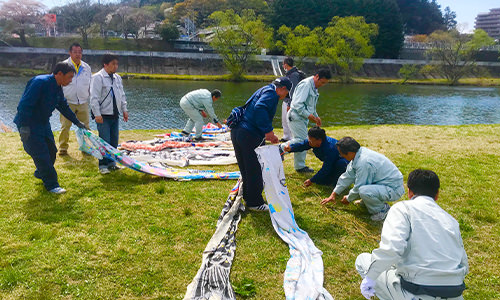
point(327, 153)
point(259, 114)
point(41, 96)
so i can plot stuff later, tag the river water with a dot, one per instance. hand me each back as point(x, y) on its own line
point(154, 104)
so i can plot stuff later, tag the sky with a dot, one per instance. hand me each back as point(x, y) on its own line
point(466, 10)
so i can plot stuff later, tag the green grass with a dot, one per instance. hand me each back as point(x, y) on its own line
point(133, 236)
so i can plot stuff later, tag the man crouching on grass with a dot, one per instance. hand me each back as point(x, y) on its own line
point(421, 253)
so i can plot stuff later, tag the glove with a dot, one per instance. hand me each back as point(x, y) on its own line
point(367, 287)
point(81, 125)
point(24, 132)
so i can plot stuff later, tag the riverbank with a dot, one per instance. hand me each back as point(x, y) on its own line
point(135, 236)
point(486, 82)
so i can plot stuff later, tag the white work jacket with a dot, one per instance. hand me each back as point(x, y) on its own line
point(78, 91)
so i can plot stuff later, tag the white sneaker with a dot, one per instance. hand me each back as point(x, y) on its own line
point(104, 171)
point(380, 216)
point(263, 207)
point(57, 190)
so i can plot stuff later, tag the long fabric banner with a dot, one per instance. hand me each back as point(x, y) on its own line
point(97, 147)
point(303, 278)
point(212, 280)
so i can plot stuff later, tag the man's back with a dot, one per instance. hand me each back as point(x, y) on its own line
point(427, 241)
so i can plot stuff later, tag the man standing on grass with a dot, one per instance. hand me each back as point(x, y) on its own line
point(421, 253)
point(293, 74)
point(376, 179)
point(42, 95)
point(302, 110)
point(197, 104)
point(77, 94)
point(108, 101)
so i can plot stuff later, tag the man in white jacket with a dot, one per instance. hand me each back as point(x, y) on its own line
point(421, 254)
point(302, 110)
point(77, 94)
point(108, 101)
point(197, 105)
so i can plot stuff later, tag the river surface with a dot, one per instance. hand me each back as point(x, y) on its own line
point(154, 104)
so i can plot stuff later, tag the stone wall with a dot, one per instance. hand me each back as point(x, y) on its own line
point(190, 63)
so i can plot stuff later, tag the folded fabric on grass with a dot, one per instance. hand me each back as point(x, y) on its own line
point(185, 157)
point(97, 147)
point(205, 136)
point(212, 280)
point(161, 144)
point(304, 271)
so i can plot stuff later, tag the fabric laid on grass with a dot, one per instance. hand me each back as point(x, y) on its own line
point(161, 144)
point(304, 271)
point(212, 280)
point(185, 157)
point(97, 147)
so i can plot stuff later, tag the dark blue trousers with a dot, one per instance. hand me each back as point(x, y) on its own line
point(109, 131)
point(337, 170)
point(42, 148)
point(244, 143)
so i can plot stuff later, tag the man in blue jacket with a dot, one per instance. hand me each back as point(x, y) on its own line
point(255, 127)
point(325, 149)
point(42, 95)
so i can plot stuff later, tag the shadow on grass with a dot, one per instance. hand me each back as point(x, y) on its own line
point(49, 208)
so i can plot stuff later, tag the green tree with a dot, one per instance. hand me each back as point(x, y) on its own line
point(237, 38)
point(168, 32)
point(421, 16)
point(347, 43)
point(450, 18)
point(455, 52)
point(301, 42)
point(408, 72)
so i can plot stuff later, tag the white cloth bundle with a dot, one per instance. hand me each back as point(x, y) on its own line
point(304, 271)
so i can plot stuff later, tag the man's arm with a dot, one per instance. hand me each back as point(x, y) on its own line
point(95, 95)
point(364, 175)
point(299, 99)
point(299, 147)
point(393, 242)
point(63, 107)
point(209, 108)
point(262, 109)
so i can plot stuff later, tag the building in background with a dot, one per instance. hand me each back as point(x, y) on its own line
point(490, 22)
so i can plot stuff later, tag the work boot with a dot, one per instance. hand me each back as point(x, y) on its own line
point(104, 170)
point(380, 216)
point(305, 170)
point(63, 152)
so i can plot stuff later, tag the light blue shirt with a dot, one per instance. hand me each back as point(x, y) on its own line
point(305, 98)
point(369, 167)
point(202, 100)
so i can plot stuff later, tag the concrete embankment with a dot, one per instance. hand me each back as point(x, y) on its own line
point(181, 63)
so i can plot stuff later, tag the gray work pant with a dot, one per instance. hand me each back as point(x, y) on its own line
point(195, 118)
point(388, 284)
point(375, 196)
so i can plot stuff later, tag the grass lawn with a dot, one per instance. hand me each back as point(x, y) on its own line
point(133, 236)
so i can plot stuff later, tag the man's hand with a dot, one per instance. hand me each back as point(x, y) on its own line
point(270, 136)
point(344, 200)
point(219, 125)
point(98, 119)
point(308, 183)
point(203, 113)
point(329, 199)
point(318, 121)
point(125, 116)
point(367, 287)
point(287, 148)
point(25, 133)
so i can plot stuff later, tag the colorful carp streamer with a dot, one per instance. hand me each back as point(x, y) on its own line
point(97, 147)
point(303, 278)
point(212, 280)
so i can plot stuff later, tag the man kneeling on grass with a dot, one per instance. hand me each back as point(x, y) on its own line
point(376, 179)
point(421, 253)
point(325, 149)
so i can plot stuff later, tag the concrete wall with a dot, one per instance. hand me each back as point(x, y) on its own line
point(190, 63)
